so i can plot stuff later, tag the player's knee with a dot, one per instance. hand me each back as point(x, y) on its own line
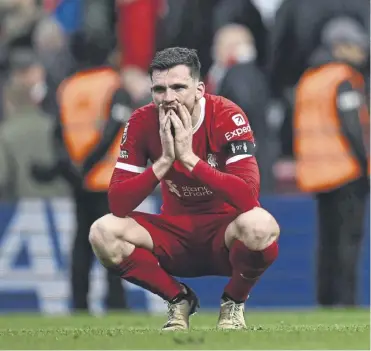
point(257, 229)
point(98, 233)
point(104, 241)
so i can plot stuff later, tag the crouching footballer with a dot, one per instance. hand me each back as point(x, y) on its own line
point(202, 151)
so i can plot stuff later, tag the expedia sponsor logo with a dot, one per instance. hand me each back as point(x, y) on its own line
point(237, 132)
point(238, 120)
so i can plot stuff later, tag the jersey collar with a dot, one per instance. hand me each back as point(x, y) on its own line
point(202, 115)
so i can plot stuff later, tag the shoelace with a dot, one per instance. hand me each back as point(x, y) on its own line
point(171, 307)
point(238, 309)
point(233, 312)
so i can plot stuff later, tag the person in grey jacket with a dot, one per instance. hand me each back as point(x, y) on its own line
point(25, 138)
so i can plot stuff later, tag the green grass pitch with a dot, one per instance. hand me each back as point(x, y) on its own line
point(313, 329)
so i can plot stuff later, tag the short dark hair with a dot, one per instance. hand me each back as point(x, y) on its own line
point(171, 57)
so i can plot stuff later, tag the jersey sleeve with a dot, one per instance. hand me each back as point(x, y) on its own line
point(133, 148)
point(233, 134)
point(131, 181)
point(239, 183)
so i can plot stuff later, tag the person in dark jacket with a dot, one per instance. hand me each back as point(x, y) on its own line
point(236, 75)
point(297, 33)
point(331, 114)
point(85, 156)
point(294, 37)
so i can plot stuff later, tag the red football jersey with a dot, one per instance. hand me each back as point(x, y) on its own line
point(221, 122)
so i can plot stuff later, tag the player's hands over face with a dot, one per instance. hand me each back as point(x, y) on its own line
point(167, 140)
point(182, 122)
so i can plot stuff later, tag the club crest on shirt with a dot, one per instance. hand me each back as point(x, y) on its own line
point(211, 160)
point(125, 134)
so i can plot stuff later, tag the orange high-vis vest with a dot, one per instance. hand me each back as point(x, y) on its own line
point(84, 110)
point(324, 159)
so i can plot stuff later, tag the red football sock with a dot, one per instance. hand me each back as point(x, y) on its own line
point(247, 266)
point(141, 268)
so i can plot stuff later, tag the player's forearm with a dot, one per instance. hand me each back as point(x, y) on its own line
point(126, 193)
point(238, 192)
point(161, 167)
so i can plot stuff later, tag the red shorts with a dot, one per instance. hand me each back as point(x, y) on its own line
point(189, 245)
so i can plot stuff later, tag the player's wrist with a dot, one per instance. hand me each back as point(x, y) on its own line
point(189, 161)
point(162, 166)
point(166, 160)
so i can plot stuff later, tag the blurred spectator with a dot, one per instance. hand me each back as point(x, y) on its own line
point(245, 13)
point(52, 47)
point(25, 138)
point(232, 44)
point(332, 136)
point(93, 110)
point(19, 19)
point(296, 34)
point(232, 75)
point(28, 70)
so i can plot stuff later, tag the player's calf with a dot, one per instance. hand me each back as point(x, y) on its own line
point(125, 247)
point(252, 242)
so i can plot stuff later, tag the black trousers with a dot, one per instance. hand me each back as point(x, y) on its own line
point(341, 216)
point(89, 207)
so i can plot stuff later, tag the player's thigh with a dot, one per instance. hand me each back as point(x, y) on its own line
point(171, 244)
point(215, 254)
point(112, 228)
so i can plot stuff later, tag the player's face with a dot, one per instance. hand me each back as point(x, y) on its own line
point(176, 85)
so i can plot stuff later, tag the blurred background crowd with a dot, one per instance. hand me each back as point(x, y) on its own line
point(253, 52)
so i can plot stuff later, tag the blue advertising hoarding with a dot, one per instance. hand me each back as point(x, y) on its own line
point(36, 237)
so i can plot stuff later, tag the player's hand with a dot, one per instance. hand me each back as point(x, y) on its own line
point(167, 140)
point(182, 123)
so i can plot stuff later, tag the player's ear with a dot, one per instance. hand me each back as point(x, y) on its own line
point(200, 90)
